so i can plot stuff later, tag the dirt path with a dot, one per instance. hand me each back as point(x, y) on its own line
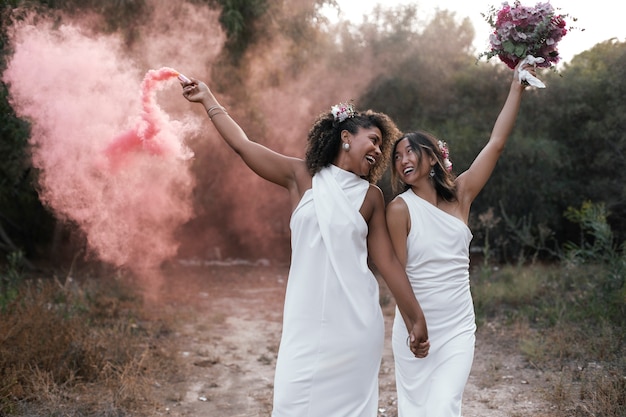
point(229, 342)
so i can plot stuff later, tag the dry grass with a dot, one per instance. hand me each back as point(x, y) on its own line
point(95, 348)
point(88, 349)
point(568, 326)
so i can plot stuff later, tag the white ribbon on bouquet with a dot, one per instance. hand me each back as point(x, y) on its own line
point(525, 75)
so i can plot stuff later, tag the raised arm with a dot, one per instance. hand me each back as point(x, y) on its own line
point(472, 181)
point(266, 163)
point(381, 251)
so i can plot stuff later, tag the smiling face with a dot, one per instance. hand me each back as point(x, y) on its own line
point(411, 165)
point(370, 135)
point(364, 152)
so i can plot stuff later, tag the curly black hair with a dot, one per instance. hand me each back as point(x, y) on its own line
point(420, 142)
point(324, 139)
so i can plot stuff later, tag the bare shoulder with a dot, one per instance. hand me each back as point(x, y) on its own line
point(397, 215)
point(397, 206)
point(374, 192)
point(373, 203)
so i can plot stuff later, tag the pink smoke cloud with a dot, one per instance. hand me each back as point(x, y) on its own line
point(109, 159)
point(83, 93)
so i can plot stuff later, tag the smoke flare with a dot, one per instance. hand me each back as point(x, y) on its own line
point(128, 193)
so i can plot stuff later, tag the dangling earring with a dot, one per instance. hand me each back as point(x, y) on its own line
point(346, 146)
point(432, 172)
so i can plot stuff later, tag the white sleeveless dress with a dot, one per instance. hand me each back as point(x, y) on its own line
point(332, 339)
point(438, 268)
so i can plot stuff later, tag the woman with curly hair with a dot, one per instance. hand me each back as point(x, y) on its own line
point(428, 227)
point(332, 338)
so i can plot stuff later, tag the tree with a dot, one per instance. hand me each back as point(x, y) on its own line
point(23, 220)
point(588, 119)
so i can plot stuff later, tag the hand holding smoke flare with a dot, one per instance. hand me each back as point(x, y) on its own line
point(124, 185)
point(153, 132)
point(117, 189)
point(183, 79)
point(147, 185)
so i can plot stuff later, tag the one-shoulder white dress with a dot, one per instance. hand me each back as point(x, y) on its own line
point(332, 338)
point(438, 269)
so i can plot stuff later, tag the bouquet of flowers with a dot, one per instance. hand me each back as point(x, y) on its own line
point(521, 31)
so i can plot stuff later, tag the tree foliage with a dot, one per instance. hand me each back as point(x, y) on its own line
point(568, 146)
point(23, 220)
point(239, 17)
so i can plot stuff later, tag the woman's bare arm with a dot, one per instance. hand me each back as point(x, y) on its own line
point(472, 181)
point(382, 253)
point(266, 163)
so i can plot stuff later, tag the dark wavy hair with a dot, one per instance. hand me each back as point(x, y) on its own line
point(324, 140)
point(420, 142)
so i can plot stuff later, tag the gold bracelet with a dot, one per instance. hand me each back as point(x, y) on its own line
point(215, 107)
point(220, 111)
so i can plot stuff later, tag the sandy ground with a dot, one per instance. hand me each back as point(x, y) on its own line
point(229, 340)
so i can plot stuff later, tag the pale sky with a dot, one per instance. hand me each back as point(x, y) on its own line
point(600, 18)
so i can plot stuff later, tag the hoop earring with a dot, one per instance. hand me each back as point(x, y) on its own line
point(346, 146)
point(432, 172)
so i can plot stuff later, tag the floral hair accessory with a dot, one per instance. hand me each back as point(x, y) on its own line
point(520, 31)
point(342, 111)
point(443, 147)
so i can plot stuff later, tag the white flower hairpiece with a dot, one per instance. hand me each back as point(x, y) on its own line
point(342, 111)
point(443, 147)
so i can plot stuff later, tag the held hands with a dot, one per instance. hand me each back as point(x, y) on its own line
point(418, 339)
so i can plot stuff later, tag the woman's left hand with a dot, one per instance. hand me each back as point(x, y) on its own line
point(418, 339)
